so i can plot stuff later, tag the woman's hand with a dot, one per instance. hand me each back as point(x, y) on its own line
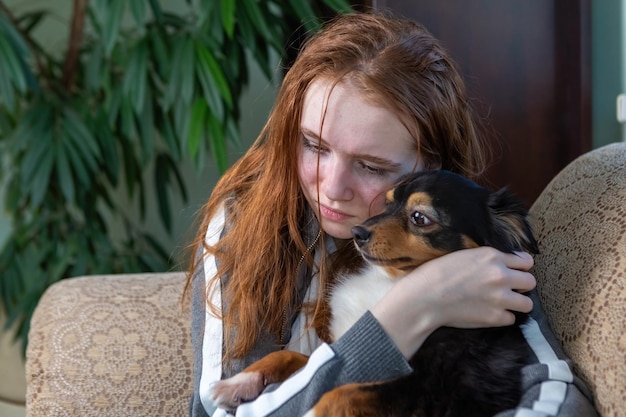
point(469, 289)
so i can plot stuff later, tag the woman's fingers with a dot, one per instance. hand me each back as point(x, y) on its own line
point(515, 301)
point(519, 260)
point(521, 281)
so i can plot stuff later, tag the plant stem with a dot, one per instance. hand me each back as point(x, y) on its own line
point(74, 43)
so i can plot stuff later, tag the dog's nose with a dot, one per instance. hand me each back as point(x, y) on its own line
point(361, 235)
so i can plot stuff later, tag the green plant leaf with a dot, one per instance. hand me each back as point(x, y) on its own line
point(157, 12)
point(210, 91)
point(113, 105)
point(41, 148)
point(232, 133)
point(108, 150)
point(138, 10)
point(93, 68)
point(218, 143)
point(64, 173)
point(180, 118)
point(255, 14)
point(208, 62)
point(6, 125)
point(305, 12)
point(82, 138)
point(174, 78)
point(40, 179)
point(146, 129)
point(228, 10)
point(113, 19)
point(7, 93)
point(12, 63)
point(340, 6)
point(162, 177)
point(78, 164)
point(127, 118)
point(169, 136)
point(160, 53)
point(196, 126)
point(187, 62)
point(134, 85)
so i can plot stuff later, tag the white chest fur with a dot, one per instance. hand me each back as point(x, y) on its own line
point(354, 294)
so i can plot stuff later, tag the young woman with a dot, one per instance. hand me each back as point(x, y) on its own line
point(370, 98)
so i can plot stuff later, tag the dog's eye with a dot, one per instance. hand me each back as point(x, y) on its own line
point(420, 219)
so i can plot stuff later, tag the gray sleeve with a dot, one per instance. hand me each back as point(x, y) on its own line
point(550, 386)
point(198, 306)
point(363, 354)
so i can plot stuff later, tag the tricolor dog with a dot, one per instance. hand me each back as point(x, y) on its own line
point(456, 372)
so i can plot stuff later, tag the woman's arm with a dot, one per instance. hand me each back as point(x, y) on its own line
point(363, 354)
point(467, 289)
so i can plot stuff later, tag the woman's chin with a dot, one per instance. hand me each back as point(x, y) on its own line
point(338, 231)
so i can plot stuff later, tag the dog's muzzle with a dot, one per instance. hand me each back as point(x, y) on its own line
point(361, 235)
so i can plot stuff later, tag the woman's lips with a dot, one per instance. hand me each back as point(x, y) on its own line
point(333, 215)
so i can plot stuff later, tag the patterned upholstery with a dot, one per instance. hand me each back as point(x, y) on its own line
point(120, 345)
point(580, 221)
point(111, 346)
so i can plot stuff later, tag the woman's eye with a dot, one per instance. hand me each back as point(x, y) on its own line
point(310, 146)
point(374, 170)
point(420, 219)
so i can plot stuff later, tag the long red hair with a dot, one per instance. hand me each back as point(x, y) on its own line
point(394, 62)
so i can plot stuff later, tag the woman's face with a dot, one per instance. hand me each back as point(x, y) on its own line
point(363, 149)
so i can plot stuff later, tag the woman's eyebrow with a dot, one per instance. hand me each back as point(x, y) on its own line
point(371, 158)
point(309, 132)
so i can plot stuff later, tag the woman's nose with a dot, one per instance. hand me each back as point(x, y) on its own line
point(337, 182)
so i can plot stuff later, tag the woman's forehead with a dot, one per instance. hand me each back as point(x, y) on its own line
point(339, 115)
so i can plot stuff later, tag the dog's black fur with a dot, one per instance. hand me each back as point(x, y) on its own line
point(456, 372)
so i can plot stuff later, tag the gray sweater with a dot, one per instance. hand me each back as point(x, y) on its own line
point(366, 354)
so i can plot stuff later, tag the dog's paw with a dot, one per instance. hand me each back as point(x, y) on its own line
point(231, 392)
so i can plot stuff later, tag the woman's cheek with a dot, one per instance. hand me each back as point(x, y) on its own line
point(377, 204)
point(307, 169)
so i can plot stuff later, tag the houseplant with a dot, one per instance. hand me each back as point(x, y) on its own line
point(137, 90)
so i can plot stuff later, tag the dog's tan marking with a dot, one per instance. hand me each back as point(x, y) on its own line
point(389, 196)
point(395, 272)
point(422, 251)
point(419, 199)
point(278, 366)
point(348, 400)
point(468, 242)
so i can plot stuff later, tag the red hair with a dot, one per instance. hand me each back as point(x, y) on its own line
point(392, 61)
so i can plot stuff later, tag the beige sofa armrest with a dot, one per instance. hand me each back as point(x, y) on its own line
point(580, 221)
point(113, 346)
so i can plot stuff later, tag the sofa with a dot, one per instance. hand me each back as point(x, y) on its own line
point(119, 345)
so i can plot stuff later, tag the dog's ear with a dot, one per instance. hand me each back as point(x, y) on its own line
point(511, 230)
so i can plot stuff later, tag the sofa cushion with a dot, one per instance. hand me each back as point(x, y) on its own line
point(111, 346)
point(580, 222)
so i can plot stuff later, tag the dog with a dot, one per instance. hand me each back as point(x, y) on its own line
point(456, 372)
